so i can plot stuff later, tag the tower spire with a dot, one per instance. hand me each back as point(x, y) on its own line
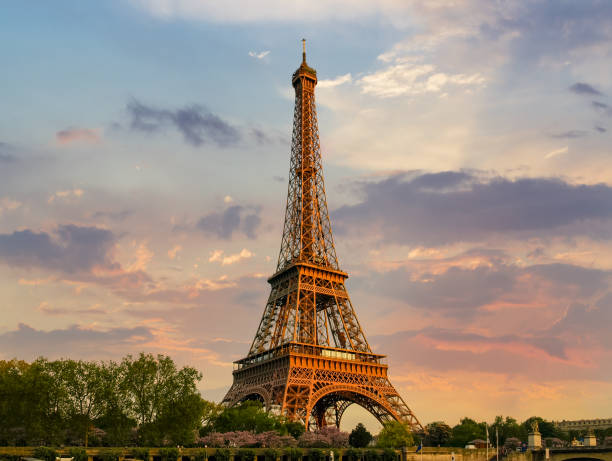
point(304, 51)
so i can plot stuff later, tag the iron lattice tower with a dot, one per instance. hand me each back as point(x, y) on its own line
point(310, 359)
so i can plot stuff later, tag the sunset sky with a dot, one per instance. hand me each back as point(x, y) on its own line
point(144, 153)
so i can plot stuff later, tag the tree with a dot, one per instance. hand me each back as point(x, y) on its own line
point(465, 431)
point(438, 433)
point(507, 428)
point(395, 435)
point(247, 416)
point(360, 437)
point(164, 401)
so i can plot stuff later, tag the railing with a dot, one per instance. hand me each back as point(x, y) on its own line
point(309, 349)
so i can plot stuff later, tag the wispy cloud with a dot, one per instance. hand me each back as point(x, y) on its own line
point(66, 195)
point(8, 204)
point(557, 152)
point(584, 88)
point(73, 135)
point(259, 55)
point(340, 80)
point(217, 256)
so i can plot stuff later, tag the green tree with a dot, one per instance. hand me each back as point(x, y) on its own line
point(247, 416)
point(546, 428)
point(506, 428)
point(163, 400)
point(360, 437)
point(465, 431)
point(438, 433)
point(395, 435)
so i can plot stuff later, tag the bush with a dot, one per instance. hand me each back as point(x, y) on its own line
point(168, 454)
point(245, 454)
point(140, 453)
point(45, 453)
point(294, 454)
point(353, 454)
point(372, 455)
point(271, 454)
point(200, 455)
point(316, 454)
point(110, 455)
point(223, 454)
point(79, 454)
point(389, 454)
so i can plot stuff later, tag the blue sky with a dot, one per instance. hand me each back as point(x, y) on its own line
point(144, 149)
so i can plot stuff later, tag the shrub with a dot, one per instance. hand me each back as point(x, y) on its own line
point(271, 454)
point(389, 454)
point(110, 455)
point(294, 454)
point(372, 455)
point(45, 453)
point(223, 454)
point(316, 454)
point(79, 454)
point(353, 454)
point(200, 455)
point(245, 454)
point(140, 453)
point(168, 454)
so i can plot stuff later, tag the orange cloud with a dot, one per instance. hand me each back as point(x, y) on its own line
point(71, 135)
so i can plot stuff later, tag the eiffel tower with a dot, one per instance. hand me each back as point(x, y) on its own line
point(310, 359)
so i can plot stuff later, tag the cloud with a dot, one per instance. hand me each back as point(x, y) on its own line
point(340, 80)
point(569, 134)
point(410, 78)
point(8, 204)
point(556, 152)
point(584, 88)
point(174, 251)
point(28, 343)
point(259, 55)
point(72, 135)
point(600, 129)
point(234, 219)
point(439, 208)
point(113, 215)
point(70, 249)
point(197, 125)
point(217, 256)
point(66, 195)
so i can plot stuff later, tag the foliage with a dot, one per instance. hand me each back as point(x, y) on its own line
point(437, 433)
point(245, 454)
point(271, 454)
point(295, 428)
point(110, 455)
point(372, 455)
point(200, 455)
point(359, 437)
point(269, 439)
point(294, 454)
point(141, 453)
point(465, 431)
point(329, 436)
point(389, 454)
point(395, 435)
point(353, 454)
point(169, 454)
point(79, 454)
point(546, 428)
point(45, 453)
point(248, 416)
point(223, 454)
point(506, 428)
point(316, 454)
point(512, 443)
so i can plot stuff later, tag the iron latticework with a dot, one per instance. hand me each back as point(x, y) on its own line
point(310, 358)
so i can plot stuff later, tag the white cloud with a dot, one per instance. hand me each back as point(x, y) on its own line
point(217, 256)
point(556, 152)
point(259, 55)
point(409, 78)
point(228, 199)
point(172, 253)
point(340, 80)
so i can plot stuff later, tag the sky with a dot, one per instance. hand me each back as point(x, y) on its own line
point(144, 156)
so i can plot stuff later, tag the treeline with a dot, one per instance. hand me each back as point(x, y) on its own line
point(511, 433)
point(144, 401)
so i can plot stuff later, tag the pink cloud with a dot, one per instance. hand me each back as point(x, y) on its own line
point(73, 134)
